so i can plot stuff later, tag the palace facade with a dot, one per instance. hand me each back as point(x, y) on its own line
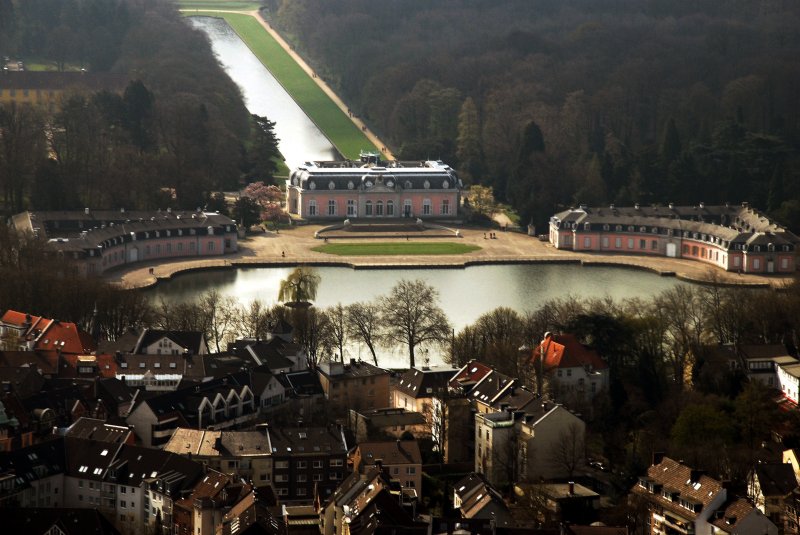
point(734, 238)
point(99, 240)
point(347, 190)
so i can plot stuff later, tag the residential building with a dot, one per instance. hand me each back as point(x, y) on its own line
point(306, 460)
point(562, 503)
point(357, 385)
point(733, 238)
point(379, 424)
point(680, 499)
point(104, 239)
point(477, 500)
point(401, 459)
point(57, 521)
point(545, 441)
point(50, 337)
point(33, 476)
point(217, 501)
point(417, 387)
point(157, 342)
point(245, 454)
point(771, 486)
point(349, 190)
point(276, 353)
point(216, 404)
point(575, 372)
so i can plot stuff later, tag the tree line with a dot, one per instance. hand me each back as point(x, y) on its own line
point(554, 103)
point(178, 131)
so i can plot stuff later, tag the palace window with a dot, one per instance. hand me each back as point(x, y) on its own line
point(618, 243)
point(605, 241)
point(407, 207)
point(331, 207)
point(426, 207)
point(368, 208)
point(351, 207)
point(390, 208)
point(312, 207)
point(379, 208)
point(445, 207)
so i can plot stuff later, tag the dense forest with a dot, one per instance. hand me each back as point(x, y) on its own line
point(559, 102)
point(178, 131)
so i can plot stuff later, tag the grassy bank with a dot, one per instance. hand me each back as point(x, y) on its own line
point(395, 248)
point(332, 121)
point(237, 5)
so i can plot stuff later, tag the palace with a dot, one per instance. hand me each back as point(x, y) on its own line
point(734, 238)
point(103, 239)
point(346, 189)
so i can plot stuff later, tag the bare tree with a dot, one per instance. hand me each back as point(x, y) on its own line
point(337, 319)
point(363, 325)
point(312, 332)
point(411, 316)
point(569, 451)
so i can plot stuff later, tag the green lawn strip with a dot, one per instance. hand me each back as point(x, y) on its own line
point(240, 5)
point(332, 121)
point(395, 248)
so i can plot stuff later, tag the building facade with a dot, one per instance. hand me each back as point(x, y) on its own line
point(349, 190)
point(733, 238)
point(100, 240)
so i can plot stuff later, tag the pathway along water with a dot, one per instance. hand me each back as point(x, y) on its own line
point(300, 139)
point(464, 294)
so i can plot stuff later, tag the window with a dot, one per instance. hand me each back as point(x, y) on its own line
point(123, 504)
point(569, 372)
point(281, 464)
point(123, 490)
point(654, 245)
point(281, 492)
point(379, 208)
point(301, 492)
point(390, 208)
point(317, 464)
point(210, 246)
point(407, 207)
point(351, 207)
point(411, 470)
point(317, 477)
point(302, 464)
point(331, 207)
point(630, 243)
point(368, 208)
point(426, 207)
point(445, 210)
point(605, 242)
point(618, 242)
point(642, 244)
point(336, 462)
point(587, 242)
point(312, 207)
point(302, 478)
point(756, 263)
point(281, 478)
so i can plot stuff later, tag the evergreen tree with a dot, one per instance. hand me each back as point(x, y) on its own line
point(469, 143)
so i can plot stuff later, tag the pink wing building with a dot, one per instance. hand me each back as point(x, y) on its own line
point(734, 238)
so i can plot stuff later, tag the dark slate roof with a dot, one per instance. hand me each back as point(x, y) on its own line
point(135, 464)
point(24, 381)
point(191, 340)
point(271, 353)
point(776, 479)
point(185, 401)
point(425, 383)
point(384, 514)
point(34, 462)
point(98, 430)
point(304, 383)
point(40, 521)
point(429, 175)
point(294, 441)
point(114, 392)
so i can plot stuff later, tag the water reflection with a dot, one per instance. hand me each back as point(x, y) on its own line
point(300, 139)
point(464, 294)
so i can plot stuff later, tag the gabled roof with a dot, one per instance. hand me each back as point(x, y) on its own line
point(390, 452)
point(34, 462)
point(304, 383)
point(691, 485)
point(425, 383)
point(297, 441)
point(45, 362)
point(732, 513)
point(134, 464)
point(776, 479)
point(564, 351)
point(469, 375)
point(99, 431)
point(191, 340)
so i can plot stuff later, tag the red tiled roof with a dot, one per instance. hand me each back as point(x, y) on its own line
point(471, 373)
point(67, 337)
point(564, 351)
point(12, 317)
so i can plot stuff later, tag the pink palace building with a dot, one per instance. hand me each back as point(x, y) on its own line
point(348, 190)
point(734, 238)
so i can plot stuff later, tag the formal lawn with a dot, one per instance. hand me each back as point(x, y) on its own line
point(395, 248)
point(332, 121)
point(237, 5)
